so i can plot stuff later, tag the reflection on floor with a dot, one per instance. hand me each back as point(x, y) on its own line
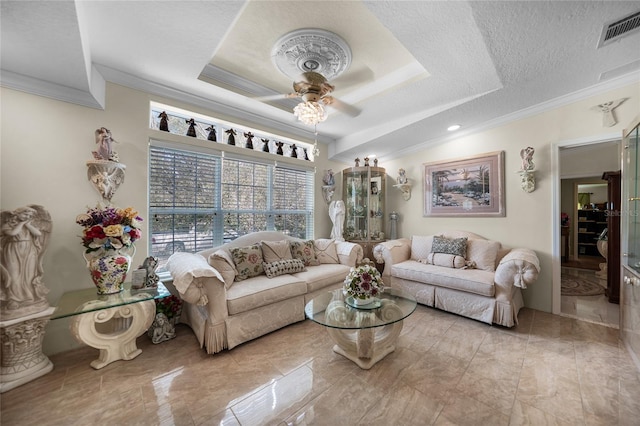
point(589, 308)
point(446, 370)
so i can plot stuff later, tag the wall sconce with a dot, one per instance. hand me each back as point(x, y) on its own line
point(526, 172)
point(403, 184)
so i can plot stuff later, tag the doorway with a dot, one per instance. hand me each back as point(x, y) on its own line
point(581, 271)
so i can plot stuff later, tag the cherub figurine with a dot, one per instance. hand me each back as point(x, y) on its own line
point(161, 329)
point(328, 178)
point(527, 158)
point(249, 137)
point(231, 140)
point(265, 145)
point(402, 177)
point(192, 128)
point(104, 140)
point(212, 133)
point(164, 121)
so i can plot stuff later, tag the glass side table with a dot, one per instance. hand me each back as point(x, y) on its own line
point(110, 323)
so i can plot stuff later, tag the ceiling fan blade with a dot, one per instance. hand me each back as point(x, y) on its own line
point(275, 97)
point(342, 106)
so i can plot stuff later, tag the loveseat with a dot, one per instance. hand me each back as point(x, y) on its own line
point(461, 272)
point(256, 284)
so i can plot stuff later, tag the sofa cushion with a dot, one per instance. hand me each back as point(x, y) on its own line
point(469, 280)
point(318, 277)
point(248, 261)
point(275, 250)
point(421, 246)
point(281, 267)
point(326, 251)
point(305, 251)
point(444, 259)
point(483, 253)
point(457, 246)
point(223, 262)
point(260, 291)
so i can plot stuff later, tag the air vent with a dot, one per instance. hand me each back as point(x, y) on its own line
point(620, 28)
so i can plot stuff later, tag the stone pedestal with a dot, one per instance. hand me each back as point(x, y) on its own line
point(22, 358)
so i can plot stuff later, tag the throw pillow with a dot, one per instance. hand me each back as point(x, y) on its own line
point(483, 253)
point(281, 267)
point(248, 261)
point(304, 251)
point(444, 259)
point(457, 246)
point(275, 250)
point(326, 251)
point(222, 261)
point(420, 247)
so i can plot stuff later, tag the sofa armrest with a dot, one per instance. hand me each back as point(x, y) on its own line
point(350, 254)
point(392, 252)
point(520, 267)
point(194, 278)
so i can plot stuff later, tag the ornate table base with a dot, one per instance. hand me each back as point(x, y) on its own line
point(22, 358)
point(367, 344)
point(128, 322)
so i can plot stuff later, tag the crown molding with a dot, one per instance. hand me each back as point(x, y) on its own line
point(95, 98)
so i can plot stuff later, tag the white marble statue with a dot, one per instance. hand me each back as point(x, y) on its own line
point(337, 211)
point(527, 158)
point(402, 177)
point(104, 140)
point(24, 238)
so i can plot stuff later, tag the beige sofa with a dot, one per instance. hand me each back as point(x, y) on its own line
point(224, 312)
point(485, 284)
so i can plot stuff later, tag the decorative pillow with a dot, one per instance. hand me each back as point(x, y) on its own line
point(248, 261)
point(304, 251)
point(420, 247)
point(326, 251)
point(275, 250)
point(446, 260)
point(483, 253)
point(222, 261)
point(457, 246)
point(281, 267)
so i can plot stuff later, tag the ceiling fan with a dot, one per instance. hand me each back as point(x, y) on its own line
point(314, 87)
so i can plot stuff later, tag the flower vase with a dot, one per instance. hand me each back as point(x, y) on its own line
point(361, 302)
point(109, 269)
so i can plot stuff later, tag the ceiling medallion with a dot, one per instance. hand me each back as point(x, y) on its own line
point(311, 49)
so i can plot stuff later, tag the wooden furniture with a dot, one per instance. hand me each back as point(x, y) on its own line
point(364, 191)
point(565, 233)
point(110, 323)
point(591, 223)
point(613, 235)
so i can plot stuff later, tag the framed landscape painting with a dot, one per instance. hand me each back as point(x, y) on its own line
point(472, 186)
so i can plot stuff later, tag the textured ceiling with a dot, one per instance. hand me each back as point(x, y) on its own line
point(418, 66)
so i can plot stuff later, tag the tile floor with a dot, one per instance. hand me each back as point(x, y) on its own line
point(589, 308)
point(446, 370)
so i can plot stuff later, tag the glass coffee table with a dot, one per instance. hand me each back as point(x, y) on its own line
point(363, 335)
point(110, 323)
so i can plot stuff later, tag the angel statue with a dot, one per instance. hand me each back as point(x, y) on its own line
point(104, 140)
point(527, 158)
point(337, 211)
point(328, 178)
point(24, 238)
point(402, 177)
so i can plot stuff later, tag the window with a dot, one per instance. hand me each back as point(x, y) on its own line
point(201, 200)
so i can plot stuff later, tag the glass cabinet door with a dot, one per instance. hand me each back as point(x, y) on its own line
point(364, 191)
point(632, 194)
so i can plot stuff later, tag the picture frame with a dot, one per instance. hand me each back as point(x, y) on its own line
point(465, 187)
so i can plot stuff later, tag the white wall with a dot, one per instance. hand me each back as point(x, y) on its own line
point(45, 147)
point(528, 215)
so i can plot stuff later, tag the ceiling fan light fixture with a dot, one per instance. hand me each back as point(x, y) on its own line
point(453, 127)
point(310, 113)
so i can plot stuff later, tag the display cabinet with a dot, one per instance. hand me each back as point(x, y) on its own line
point(364, 191)
point(590, 225)
point(630, 288)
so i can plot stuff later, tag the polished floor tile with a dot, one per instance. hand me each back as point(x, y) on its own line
point(589, 308)
point(446, 370)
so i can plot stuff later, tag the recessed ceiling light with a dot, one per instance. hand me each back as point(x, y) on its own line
point(453, 128)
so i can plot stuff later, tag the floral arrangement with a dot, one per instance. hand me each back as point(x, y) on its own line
point(109, 228)
point(170, 306)
point(363, 281)
point(564, 219)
